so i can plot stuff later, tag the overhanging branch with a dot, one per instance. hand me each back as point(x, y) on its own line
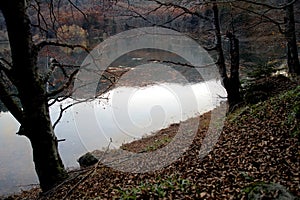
point(43, 44)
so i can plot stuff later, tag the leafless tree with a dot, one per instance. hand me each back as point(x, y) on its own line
point(28, 102)
point(271, 12)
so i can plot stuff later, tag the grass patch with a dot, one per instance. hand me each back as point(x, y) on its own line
point(160, 188)
point(293, 111)
point(158, 144)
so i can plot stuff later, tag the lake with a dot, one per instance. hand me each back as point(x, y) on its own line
point(122, 115)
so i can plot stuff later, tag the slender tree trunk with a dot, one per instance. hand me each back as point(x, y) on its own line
point(36, 124)
point(221, 60)
point(290, 35)
point(233, 83)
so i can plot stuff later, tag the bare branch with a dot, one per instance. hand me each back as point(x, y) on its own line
point(92, 170)
point(52, 14)
point(63, 109)
point(43, 44)
point(210, 48)
point(40, 18)
point(65, 86)
point(59, 117)
point(278, 24)
point(180, 64)
point(154, 10)
point(270, 6)
point(186, 10)
point(174, 18)
point(84, 15)
point(141, 16)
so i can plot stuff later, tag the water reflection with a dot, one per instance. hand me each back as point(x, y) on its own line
point(127, 114)
point(16, 165)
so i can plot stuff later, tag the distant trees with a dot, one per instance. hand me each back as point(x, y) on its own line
point(232, 83)
point(281, 15)
point(211, 19)
point(271, 12)
point(73, 34)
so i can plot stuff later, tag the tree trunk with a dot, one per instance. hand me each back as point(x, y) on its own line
point(290, 35)
point(221, 60)
point(233, 82)
point(48, 164)
point(35, 124)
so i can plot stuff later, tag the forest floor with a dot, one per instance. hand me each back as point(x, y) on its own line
point(257, 156)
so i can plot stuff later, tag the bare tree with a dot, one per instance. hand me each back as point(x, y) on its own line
point(231, 82)
point(290, 35)
point(27, 89)
point(29, 104)
point(271, 12)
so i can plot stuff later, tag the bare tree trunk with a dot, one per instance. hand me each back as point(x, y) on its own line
point(35, 124)
point(290, 35)
point(48, 164)
point(221, 60)
point(233, 82)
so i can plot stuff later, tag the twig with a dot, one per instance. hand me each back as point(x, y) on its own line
point(78, 9)
point(278, 24)
point(42, 44)
point(81, 171)
point(181, 64)
point(65, 86)
point(64, 109)
point(64, 182)
point(87, 175)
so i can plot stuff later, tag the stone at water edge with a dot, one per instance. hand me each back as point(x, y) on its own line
point(87, 160)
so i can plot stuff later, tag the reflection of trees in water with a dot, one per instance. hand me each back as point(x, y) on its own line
point(147, 66)
point(150, 56)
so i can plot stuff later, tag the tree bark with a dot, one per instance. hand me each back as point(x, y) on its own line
point(221, 60)
point(233, 83)
point(36, 123)
point(290, 35)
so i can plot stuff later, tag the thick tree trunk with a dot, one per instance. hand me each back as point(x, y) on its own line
point(290, 35)
point(48, 164)
point(36, 124)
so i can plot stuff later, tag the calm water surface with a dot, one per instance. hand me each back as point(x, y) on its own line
point(127, 114)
